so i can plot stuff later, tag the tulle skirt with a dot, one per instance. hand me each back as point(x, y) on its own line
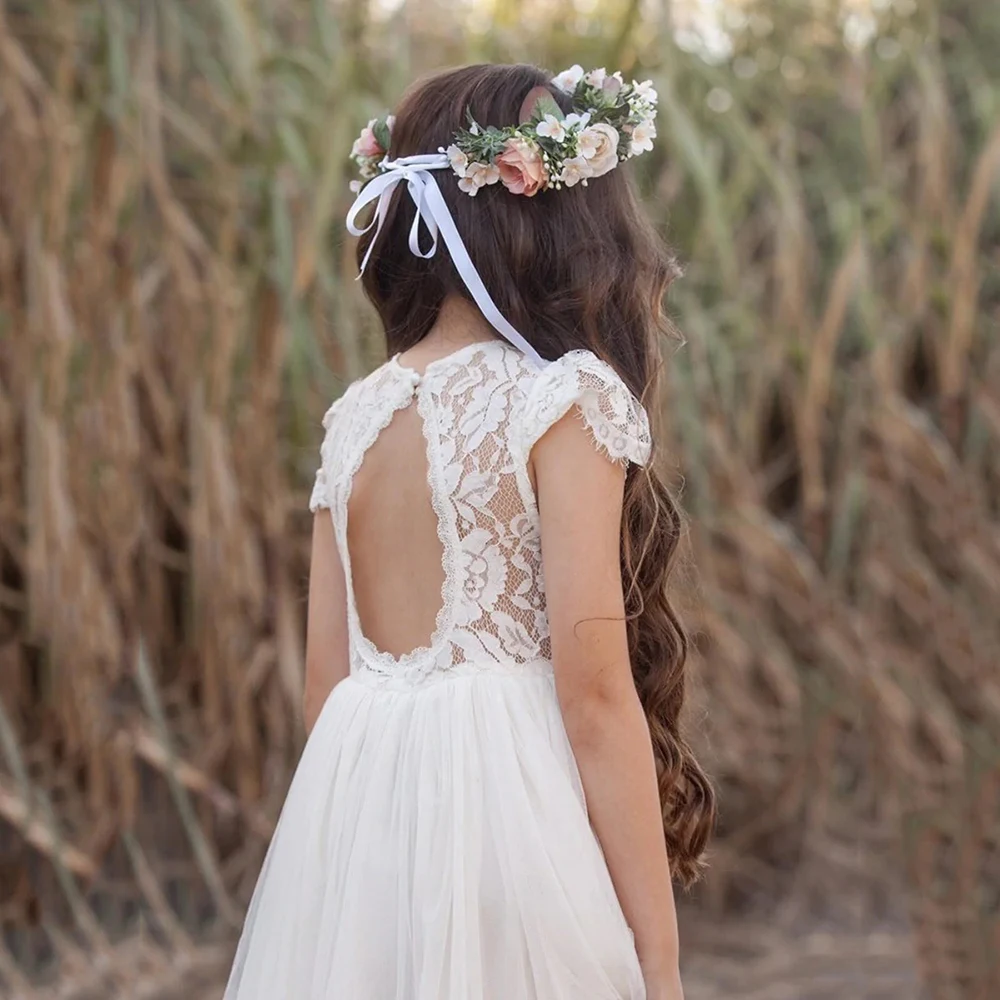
point(435, 845)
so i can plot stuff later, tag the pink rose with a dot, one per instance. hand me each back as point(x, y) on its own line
point(367, 144)
point(521, 168)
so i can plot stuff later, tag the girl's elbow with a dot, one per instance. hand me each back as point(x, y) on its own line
point(596, 713)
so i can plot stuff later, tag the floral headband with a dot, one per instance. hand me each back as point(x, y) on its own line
point(611, 122)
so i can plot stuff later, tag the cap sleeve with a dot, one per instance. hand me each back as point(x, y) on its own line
point(320, 497)
point(616, 419)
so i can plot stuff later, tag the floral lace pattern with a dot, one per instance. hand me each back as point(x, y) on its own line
point(615, 417)
point(482, 410)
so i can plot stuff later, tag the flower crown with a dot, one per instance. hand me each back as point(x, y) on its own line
point(611, 122)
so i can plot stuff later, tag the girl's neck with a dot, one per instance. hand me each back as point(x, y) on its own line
point(458, 324)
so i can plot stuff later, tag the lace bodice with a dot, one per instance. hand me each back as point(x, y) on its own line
point(482, 409)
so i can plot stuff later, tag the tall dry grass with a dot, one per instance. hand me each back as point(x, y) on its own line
point(176, 309)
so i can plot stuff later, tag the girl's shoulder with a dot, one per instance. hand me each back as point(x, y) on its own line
point(616, 419)
point(377, 389)
point(485, 380)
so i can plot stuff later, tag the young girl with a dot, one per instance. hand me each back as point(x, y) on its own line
point(494, 790)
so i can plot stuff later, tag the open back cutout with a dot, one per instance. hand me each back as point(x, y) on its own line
point(397, 565)
point(437, 525)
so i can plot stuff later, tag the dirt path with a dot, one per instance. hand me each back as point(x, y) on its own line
point(759, 960)
point(780, 958)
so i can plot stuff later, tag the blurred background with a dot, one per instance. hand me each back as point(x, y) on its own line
point(177, 310)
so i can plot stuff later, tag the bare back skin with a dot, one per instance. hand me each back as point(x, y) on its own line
point(395, 549)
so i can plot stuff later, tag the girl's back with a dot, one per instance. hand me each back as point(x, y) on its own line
point(428, 480)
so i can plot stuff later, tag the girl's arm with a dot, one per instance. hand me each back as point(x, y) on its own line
point(326, 632)
point(580, 505)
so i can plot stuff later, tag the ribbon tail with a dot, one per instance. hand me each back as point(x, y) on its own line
point(381, 211)
point(380, 188)
point(417, 187)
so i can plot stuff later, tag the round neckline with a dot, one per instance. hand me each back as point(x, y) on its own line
point(446, 359)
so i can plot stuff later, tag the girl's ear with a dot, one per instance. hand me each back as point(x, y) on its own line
point(537, 103)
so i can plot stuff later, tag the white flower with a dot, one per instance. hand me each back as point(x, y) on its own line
point(642, 138)
point(596, 77)
point(573, 120)
point(390, 122)
point(458, 160)
point(552, 127)
point(569, 78)
point(356, 186)
point(645, 91)
point(474, 128)
point(588, 141)
point(575, 169)
point(477, 175)
point(598, 144)
point(485, 173)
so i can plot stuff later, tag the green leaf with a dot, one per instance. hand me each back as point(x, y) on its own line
point(546, 105)
point(381, 132)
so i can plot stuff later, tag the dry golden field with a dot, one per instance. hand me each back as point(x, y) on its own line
point(177, 309)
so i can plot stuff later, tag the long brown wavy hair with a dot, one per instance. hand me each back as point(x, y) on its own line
point(574, 268)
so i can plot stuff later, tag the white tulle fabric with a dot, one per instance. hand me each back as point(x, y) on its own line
point(435, 843)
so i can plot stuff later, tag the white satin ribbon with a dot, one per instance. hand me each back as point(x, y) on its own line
point(432, 210)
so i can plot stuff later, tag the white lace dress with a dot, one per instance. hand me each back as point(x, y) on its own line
point(434, 844)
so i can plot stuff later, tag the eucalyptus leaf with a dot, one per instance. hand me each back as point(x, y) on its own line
point(545, 104)
point(381, 132)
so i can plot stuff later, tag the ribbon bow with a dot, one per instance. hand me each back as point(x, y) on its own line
point(432, 210)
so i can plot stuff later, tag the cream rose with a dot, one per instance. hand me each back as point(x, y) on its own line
point(522, 170)
point(598, 145)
